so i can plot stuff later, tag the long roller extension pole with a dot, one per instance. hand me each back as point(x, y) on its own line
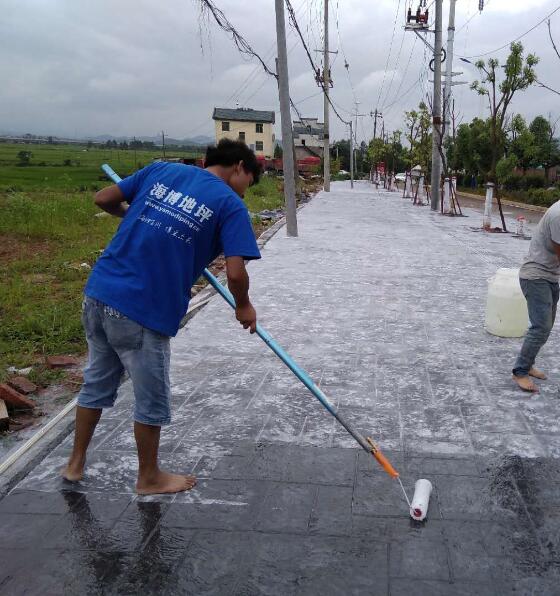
point(366, 444)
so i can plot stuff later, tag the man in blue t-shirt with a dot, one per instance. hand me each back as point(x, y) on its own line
point(176, 220)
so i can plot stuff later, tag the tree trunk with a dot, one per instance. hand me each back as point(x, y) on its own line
point(493, 177)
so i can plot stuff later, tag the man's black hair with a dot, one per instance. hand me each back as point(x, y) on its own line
point(228, 153)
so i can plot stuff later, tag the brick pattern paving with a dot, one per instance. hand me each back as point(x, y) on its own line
point(383, 303)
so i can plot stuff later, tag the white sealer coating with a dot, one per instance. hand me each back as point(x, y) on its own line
point(421, 499)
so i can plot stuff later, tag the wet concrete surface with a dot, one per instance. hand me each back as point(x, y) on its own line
point(273, 519)
point(285, 503)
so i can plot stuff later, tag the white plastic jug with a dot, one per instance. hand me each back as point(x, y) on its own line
point(506, 307)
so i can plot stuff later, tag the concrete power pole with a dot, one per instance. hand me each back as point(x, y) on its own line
point(449, 67)
point(375, 115)
point(326, 83)
point(286, 119)
point(436, 111)
point(351, 155)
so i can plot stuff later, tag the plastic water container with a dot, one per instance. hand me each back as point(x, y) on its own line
point(506, 307)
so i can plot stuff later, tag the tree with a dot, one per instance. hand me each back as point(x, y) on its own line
point(24, 157)
point(522, 142)
point(418, 125)
point(278, 152)
point(519, 74)
point(472, 151)
point(505, 168)
point(376, 151)
point(546, 151)
point(343, 148)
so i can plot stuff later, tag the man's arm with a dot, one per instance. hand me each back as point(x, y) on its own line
point(238, 284)
point(111, 200)
point(556, 248)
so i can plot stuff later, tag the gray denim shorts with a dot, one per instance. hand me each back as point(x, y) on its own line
point(117, 344)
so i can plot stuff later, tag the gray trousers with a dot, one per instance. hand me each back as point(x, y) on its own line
point(542, 299)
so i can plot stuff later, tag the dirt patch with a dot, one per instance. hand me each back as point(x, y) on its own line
point(13, 248)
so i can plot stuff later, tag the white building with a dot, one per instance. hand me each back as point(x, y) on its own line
point(308, 137)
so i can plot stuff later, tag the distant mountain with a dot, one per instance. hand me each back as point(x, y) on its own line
point(200, 140)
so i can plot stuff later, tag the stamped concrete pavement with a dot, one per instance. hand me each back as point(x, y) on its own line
point(383, 303)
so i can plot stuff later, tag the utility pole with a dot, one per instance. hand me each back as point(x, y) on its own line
point(351, 155)
point(163, 143)
point(326, 84)
point(436, 110)
point(286, 119)
point(356, 128)
point(375, 115)
point(449, 67)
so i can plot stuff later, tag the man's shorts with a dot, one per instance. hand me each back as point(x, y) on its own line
point(115, 344)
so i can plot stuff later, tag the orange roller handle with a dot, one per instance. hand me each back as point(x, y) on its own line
point(382, 460)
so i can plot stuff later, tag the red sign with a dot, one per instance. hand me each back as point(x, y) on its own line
point(381, 167)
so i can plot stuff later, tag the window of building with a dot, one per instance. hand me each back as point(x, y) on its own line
point(259, 146)
point(225, 126)
point(260, 127)
point(303, 142)
point(242, 136)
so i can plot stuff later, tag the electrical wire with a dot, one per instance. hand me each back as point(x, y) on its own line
point(471, 18)
point(389, 54)
point(514, 40)
point(395, 67)
point(346, 63)
point(405, 71)
point(295, 24)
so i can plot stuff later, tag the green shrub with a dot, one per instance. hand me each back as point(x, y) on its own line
point(533, 181)
point(513, 182)
point(543, 197)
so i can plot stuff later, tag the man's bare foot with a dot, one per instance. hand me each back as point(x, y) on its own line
point(164, 482)
point(526, 384)
point(538, 374)
point(74, 471)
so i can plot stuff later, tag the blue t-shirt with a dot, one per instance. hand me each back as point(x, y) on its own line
point(179, 220)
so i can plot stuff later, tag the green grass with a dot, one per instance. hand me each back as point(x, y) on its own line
point(267, 194)
point(48, 228)
point(46, 169)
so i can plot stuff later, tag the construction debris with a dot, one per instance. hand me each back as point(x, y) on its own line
point(15, 398)
point(62, 361)
point(4, 418)
point(22, 385)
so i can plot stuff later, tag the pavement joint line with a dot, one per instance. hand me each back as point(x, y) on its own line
point(467, 432)
point(259, 387)
point(266, 421)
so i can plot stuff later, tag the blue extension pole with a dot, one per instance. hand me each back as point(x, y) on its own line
point(366, 444)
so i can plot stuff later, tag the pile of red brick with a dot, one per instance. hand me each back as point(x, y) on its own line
point(14, 394)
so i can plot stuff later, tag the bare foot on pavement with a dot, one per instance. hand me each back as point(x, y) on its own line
point(526, 384)
point(538, 374)
point(164, 482)
point(74, 471)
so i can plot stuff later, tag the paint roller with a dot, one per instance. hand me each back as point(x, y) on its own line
point(419, 506)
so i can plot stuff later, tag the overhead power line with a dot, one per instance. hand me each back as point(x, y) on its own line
point(516, 39)
point(294, 23)
point(389, 54)
point(242, 44)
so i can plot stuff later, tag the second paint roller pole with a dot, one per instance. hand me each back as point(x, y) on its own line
point(366, 444)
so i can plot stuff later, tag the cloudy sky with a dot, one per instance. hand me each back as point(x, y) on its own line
point(133, 67)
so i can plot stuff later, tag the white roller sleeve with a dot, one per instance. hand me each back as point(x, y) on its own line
point(421, 499)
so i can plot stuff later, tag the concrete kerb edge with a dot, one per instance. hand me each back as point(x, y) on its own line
point(60, 431)
point(506, 202)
